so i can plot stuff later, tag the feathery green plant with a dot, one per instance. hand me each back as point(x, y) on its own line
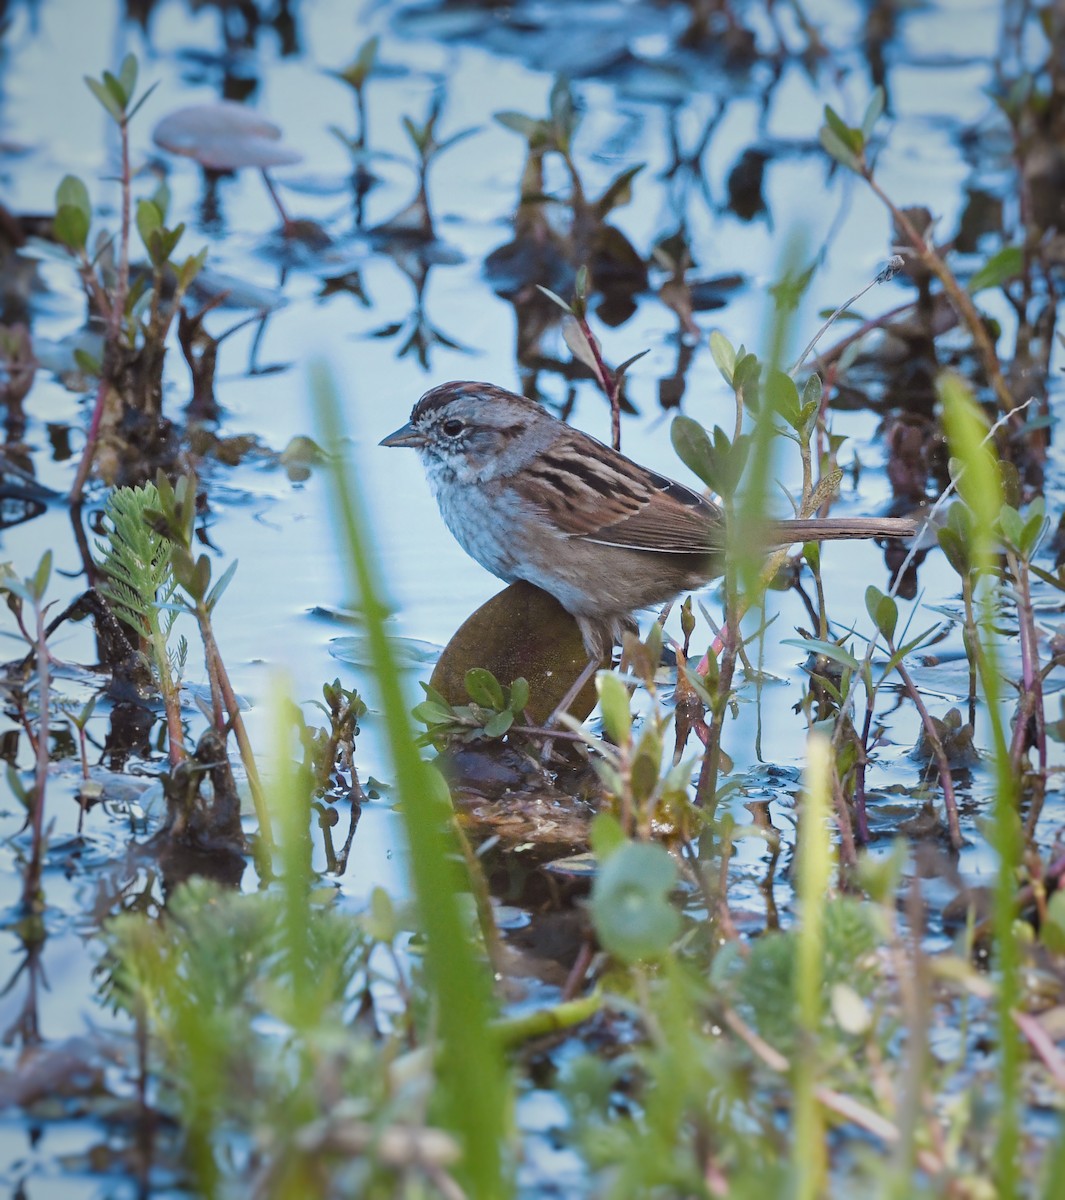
point(139, 580)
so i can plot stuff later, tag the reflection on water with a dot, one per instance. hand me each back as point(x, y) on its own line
point(517, 180)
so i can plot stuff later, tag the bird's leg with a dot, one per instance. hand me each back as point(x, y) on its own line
point(574, 690)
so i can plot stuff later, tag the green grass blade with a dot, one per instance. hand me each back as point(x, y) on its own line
point(472, 1081)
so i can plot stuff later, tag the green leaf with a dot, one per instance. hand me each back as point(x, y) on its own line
point(82, 719)
point(131, 113)
point(630, 902)
point(563, 112)
point(105, 97)
point(1052, 930)
point(1012, 525)
point(430, 713)
point(15, 786)
point(219, 588)
point(416, 134)
point(723, 354)
point(161, 198)
point(873, 112)
point(557, 299)
point(880, 877)
point(614, 704)
point(838, 149)
point(908, 648)
point(169, 239)
point(149, 223)
point(380, 921)
point(528, 127)
point(73, 192)
point(1002, 267)
point(849, 136)
point(1035, 528)
point(883, 611)
point(498, 723)
point(826, 649)
point(605, 835)
point(71, 226)
point(190, 268)
point(117, 91)
point(366, 56)
point(519, 696)
point(954, 549)
point(782, 395)
point(193, 576)
point(42, 575)
point(620, 370)
point(812, 395)
point(576, 336)
point(645, 765)
point(746, 378)
point(127, 75)
point(693, 446)
point(483, 688)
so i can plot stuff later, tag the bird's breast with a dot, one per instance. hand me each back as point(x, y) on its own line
point(481, 523)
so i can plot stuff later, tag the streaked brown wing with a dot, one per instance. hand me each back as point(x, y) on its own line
point(675, 520)
point(587, 490)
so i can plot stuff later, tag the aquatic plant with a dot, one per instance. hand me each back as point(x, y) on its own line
point(137, 310)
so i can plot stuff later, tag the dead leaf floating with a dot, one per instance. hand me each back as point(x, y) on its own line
point(224, 136)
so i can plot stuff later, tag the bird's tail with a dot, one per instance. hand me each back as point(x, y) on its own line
point(830, 529)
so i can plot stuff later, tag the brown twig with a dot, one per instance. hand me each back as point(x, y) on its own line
point(946, 779)
point(959, 298)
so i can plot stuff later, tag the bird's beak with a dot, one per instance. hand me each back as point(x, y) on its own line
point(406, 436)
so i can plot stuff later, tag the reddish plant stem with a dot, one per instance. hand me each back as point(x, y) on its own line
point(1031, 676)
point(706, 788)
point(606, 380)
point(1043, 1044)
point(32, 901)
point(94, 290)
point(114, 310)
point(859, 776)
point(946, 780)
point(88, 454)
point(1030, 709)
point(216, 669)
point(848, 854)
point(175, 733)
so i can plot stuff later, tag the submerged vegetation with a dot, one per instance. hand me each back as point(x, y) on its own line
point(721, 939)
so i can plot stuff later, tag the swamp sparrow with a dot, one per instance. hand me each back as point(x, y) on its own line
point(531, 498)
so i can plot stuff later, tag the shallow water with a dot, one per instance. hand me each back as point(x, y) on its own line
point(275, 621)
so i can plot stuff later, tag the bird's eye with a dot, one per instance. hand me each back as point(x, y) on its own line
point(453, 427)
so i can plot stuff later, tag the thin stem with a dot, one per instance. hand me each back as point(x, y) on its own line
point(895, 264)
point(32, 901)
point(606, 380)
point(217, 669)
point(118, 303)
point(946, 780)
point(706, 788)
point(114, 310)
point(286, 221)
point(959, 297)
